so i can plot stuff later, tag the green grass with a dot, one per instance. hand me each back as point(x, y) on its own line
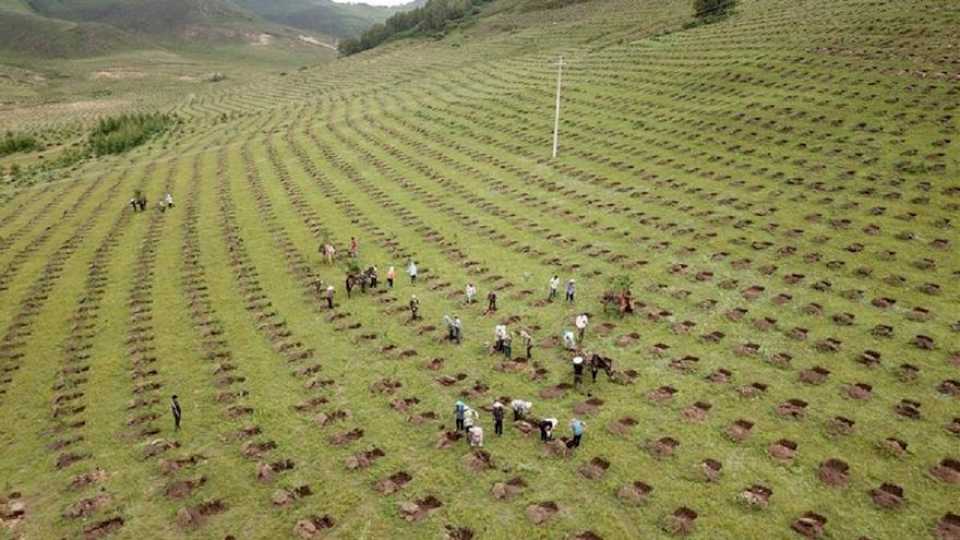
point(805, 149)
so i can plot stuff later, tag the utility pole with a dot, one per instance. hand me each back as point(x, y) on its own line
point(556, 121)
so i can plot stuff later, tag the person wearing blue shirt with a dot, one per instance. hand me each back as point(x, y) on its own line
point(577, 427)
point(459, 411)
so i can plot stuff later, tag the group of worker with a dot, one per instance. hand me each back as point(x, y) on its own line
point(467, 420)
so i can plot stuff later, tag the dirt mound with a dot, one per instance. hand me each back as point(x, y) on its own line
point(588, 407)
point(419, 510)
point(783, 450)
point(194, 516)
point(663, 447)
point(756, 496)
point(346, 437)
point(792, 408)
point(948, 528)
point(739, 430)
point(752, 390)
point(681, 522)
point(859, 391)
point(182, 488)
point(595, 468)
point(622, 427)
point(435, 365)
point(362, 460)
point(893, 447)
point(814, 376)
point(313, 527)
point(557, 448)
point(170, 466)
point(458, 533)
point(662, 394)
point(889, 496)
point(87, 507)
point(948, 470)
point(447, 439)
point(283, 497)
point(908, 408)
point(697, 412)
point(83, 480)
point(949, 387)
point(554, 392)
point(325, 419)
point(710, 469)
point(840, 425)
point(810, 525)
point(503, 491)
point(586, 535)
point(478, 461)
point(541, 512)
point(393, 483)
point(635, 493)
point(720, 376)
point(834, 472)
point(102, 528)
point(257, 449)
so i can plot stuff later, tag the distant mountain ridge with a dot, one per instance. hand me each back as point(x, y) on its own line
point(78, 28)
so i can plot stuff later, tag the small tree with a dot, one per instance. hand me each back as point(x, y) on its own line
point(619, 294)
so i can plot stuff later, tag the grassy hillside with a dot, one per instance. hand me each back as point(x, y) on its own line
point(323, 16)
point(781, 187)
point(27, 35)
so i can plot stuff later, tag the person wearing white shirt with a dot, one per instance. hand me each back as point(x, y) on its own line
point(581, 322)
point(554, 286)
point(471, 293)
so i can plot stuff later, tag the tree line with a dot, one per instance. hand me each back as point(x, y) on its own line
point(431, 18)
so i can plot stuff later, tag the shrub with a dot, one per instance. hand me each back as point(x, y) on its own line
point(11, 144)
point(712, 8)
point(119, 134)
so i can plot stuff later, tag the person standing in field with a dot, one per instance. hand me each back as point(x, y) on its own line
point(471, 293)
point(569, 340)
point(554, 285)
point(329, 295)
point(177, 412)
point(577, 370)
point(498, 418)
point(595, 364)
point(499, 334)
point(354, 247)
point(507, 345)
point(492, 302)
point(577, 427)
point(459, 412)
point(412, 271)
point(414, 308)
point(527, 343)
point(571, 291)
point(391, 275)
point(470, 419)
point(457, 329)
point(329, 252)
point(581, 322)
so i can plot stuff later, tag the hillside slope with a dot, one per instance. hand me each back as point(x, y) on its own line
point(323, 16)
point(781, 188)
